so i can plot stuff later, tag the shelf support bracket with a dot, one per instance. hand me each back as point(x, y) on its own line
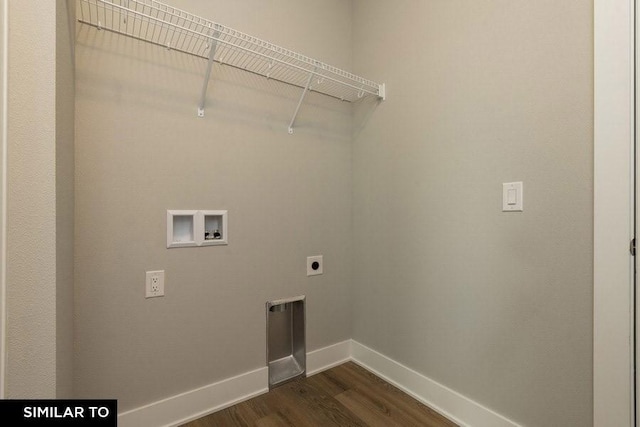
point(304, 92)
point(382, 91)
point(207, 75)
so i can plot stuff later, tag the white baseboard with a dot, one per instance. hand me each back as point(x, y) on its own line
point(197, 403)
point(328, 357)
point(442, 399)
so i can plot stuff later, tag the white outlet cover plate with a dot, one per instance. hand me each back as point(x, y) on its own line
point(310, 261)
point(154, 284)
point(512, 197)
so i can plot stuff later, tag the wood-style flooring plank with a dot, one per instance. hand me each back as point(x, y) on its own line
point(345, 396)
point(317, 407)
point(368, 410)
point(413, 412)
point(330, 384)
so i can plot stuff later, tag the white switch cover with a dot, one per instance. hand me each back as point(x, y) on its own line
point(154, 284)
point(512, 197)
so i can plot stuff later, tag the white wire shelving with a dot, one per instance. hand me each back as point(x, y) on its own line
point(160, 24)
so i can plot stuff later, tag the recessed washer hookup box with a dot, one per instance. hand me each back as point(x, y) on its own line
point(286, 347)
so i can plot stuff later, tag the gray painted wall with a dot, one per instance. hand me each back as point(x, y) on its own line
point(65, 126)
point(140, 150)
point(496, 306)
point(39, 202)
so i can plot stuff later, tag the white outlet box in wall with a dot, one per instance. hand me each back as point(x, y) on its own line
point(212, 228)
point(154, 284)
point(314, 265)
point(189, 228)
point(181, 228)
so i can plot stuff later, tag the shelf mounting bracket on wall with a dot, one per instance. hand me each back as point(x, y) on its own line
point(160, 24)
point(304, 92)
point(213, 45)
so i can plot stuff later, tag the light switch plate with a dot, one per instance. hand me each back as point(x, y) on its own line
point(512, 197)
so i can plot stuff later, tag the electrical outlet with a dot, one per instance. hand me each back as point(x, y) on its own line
point(154, 284)
point(314, 265)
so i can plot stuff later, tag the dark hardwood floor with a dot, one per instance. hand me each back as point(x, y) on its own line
point(346, 395)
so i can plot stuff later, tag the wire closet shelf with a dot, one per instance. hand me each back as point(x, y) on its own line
point(164, 25)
